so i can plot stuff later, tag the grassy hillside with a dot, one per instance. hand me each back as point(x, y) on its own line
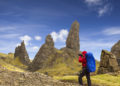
point(7, 61)
point(63, 66)
point(63, 69)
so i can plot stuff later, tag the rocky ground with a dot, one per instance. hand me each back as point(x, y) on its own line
point(12, 78)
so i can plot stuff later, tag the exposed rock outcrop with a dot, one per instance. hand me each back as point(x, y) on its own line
point(48, 56)
point(116, 51)
point(108, 63)
point(73, 37)
point(21, 53)
point(43, 54)
point(12, 78)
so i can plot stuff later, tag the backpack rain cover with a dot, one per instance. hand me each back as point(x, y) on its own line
point(91, 64)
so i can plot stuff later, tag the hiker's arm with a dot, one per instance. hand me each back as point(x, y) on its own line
point(84, 59)
point(80, 59)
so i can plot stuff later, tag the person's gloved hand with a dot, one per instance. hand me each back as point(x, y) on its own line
point(80, 55)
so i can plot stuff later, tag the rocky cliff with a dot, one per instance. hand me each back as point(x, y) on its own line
point(108, 63)
point(21, 53)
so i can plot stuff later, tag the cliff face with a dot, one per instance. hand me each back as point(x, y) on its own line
point(108, 63)
point(73, 37)
point(21, 53)
point(116, 51)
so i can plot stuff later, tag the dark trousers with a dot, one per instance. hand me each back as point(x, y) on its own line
point(83, 73)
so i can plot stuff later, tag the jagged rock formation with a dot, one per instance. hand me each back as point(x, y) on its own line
point(21, 53)
point(43, 54)
point(108, 63)
point(116, 51)
point(73, 37)
point(50, 57)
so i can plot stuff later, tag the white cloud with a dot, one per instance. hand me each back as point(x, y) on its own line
point(6, 28)
point(60, 36)
point(18, 44)
point(63, 34)
point(54, 35)
point(38, 38)
point(35, 48)
point(112, 31)
point(7, 36)
point(26, 39)
point(104, 10)
point(93, 2)
point(32, 49)
point(100, 6)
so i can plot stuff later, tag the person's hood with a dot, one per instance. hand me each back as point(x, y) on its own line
point(84, 52)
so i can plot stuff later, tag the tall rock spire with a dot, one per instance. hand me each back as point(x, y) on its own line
point(43, 54)
point(22, 54)
point(73, 37)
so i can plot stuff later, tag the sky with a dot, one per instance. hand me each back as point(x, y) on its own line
point(33, 20)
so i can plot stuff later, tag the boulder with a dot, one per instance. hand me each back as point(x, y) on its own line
point(108, 63)
point(116, 51)
point(73, 37)
point(21, 53)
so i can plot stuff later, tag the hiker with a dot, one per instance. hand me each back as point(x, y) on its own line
point(82, 59)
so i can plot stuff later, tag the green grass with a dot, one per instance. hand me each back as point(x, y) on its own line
point(10, 67)
point(3, 55)
point(59, 51)
point(103, 79)
point(16, 62)
point(107, 79)
point(62, 68)
point(11, 64)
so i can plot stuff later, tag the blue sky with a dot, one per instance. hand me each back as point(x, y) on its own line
point(33, 20)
